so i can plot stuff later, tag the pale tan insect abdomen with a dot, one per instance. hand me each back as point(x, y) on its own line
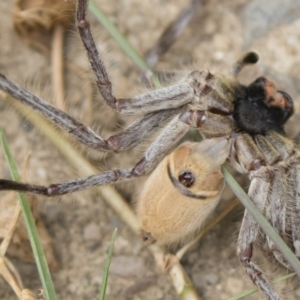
point(182, 191)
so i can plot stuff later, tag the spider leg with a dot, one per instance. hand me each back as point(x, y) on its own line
point(284, 146)
point(295, 206)
point(278, 200)
point(279, 213)
point(173, 132)
point(279, 189)
point(80, 131)
point(284, 193)
point(126, 139)
point(141, 129)
point(70, 186)
point(247, 236)
point(249, 156)
point(164, 98)
point(291, 203)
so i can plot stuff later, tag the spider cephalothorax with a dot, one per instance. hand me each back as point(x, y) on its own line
point(244, 124)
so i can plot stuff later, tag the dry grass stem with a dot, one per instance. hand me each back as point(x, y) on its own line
point(14, 272)
point(6, 240)
point(57, 67)
point(9, 277)
point(27, 295)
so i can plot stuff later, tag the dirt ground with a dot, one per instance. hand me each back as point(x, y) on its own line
point(81, 224)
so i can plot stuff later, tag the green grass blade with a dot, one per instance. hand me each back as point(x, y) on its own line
point(262, 221)
point(107, 264)
point(37, 249)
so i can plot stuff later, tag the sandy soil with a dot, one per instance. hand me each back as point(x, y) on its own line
point(81, 224)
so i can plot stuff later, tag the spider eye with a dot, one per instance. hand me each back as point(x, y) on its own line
point(187, 178)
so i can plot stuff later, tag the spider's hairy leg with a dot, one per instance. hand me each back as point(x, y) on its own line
point(283, 196)
point(70, 186)
point(247, 236)
point(103, 81)
point(252, 161)
point(173, 132)
point(294, 199)
point(283, 145)
point(182, 191)
point(294, 180)
point(78, 130)
point(164, 98)
point(276, 207)
point(140, 130)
